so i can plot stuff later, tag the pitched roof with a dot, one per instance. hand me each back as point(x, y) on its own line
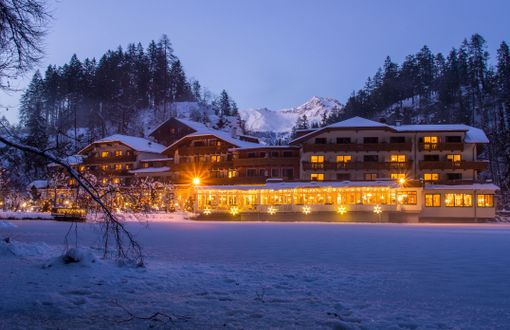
point(135, 143)
point(473, 134)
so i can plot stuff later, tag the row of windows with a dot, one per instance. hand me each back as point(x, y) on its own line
point(395, 158)
point(396, 176)
point(459, 200)
point(116, 153)
point(275, 172)
point(273, 154)
point(393, 139)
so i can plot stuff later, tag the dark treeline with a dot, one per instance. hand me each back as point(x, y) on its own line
point(110, 92)
point(461, 87)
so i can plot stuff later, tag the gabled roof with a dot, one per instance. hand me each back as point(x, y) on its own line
point(202, 130)
point(473, 134)
point(135, 143)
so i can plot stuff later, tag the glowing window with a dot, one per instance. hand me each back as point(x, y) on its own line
point(432, 200)
point(458, 200)
point(317, 159)
point(215, 158)
point(431, 176)
point(104, 154)
point(145, 165)
point(232, 173)
point(485, 200)
point(398, 158)
point(118, 153)
point(317, 176)
point(454, 157)
point(398, 176)
point(105, 167)
point(430, 139)
point(116, 180)
point(407, 197)
point(118, 167)
point(343, 158)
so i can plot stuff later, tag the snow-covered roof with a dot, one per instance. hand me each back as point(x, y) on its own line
point(134, 142)
point(38, 184)
point(70, 160)
point(477, 186)
point(151, 170)
point(267, 147)
point(473, 134)
point(305, 184)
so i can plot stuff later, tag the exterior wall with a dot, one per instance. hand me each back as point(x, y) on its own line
point(267, 162)
point(170, 131)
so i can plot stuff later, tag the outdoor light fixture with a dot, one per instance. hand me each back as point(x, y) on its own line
point(341, 210)
point(272, 210)
point(196, 181)
point(207, 211)
point(402, 181)
point(307, 209)
point(377, 209)
point(234, 210)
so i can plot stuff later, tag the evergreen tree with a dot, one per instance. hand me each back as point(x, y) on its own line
point(224, 106)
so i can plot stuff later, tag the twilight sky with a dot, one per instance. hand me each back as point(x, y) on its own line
point(271, 53)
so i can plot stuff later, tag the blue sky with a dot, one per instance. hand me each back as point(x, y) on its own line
point(271, 53)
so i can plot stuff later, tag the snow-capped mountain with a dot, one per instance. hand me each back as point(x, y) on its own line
point(267, 120)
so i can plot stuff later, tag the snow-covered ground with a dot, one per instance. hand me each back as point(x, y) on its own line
point(262, 275)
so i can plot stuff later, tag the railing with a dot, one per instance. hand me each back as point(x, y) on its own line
point(203, 150)
point(335, 147)
point(357, 166)
point(109, 159)
point(449, 165)
point(246, 162)
point(202, 166)
point(226, 181)
point(441, 146)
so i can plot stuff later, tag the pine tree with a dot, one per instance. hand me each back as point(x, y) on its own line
point(225, 108)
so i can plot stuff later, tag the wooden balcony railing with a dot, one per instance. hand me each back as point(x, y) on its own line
point(333, 147)
point(203, 150)
point(247, 162)
point(110, 159)
point(441, 146)
point(449, 165)
point(194, 166)
point(389, 166)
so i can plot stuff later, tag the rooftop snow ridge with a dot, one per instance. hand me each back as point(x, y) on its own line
point(134, 142)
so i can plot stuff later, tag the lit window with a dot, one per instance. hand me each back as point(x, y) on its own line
point(430, 139)
point(454, 157)
point(105, 167)
point(407, 197)
point(116, 180)
point(118, 167)
point(398, 158)
point(432, 200)
point(485, 200)
point(81, 168)
point(104, 180)
point(398, 176)
point(370, 176)
point(317, 161)
point(232, 173)
point(104, 154)
point(215, 158)
point(343, 158)
point(145, 165)
point(431, 176)
point(118, 153)
point(317, 176)
point(458, 200)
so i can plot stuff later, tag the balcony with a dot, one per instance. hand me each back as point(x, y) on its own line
point(203, 150)
point(193, 166)
point(441, 146)
point(247, 162)
point(449, 165)
point(356, 147)
point(226, 181)
point(110, 159)
point(331, 166)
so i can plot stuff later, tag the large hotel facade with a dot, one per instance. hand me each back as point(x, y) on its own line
point(353, 170)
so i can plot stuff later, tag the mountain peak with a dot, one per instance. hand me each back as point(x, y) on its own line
point(282, 120)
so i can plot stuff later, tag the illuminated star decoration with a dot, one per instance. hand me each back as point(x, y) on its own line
point(307, 209)
point(272, 210)
point(234, 210)
point(207, 211)
point(341, 210)
point(377, 209)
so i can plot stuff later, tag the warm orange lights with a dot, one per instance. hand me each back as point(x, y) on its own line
point(196, 181)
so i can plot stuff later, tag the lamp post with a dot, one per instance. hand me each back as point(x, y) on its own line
point(195, 182)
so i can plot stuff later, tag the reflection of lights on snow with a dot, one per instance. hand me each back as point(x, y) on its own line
point(341, 210)
point(377, 209)
point(234, 210)
point(307, 209)
point(271, 210)
point(207, 211)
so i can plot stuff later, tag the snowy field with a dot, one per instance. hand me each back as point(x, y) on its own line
point(262, 275)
